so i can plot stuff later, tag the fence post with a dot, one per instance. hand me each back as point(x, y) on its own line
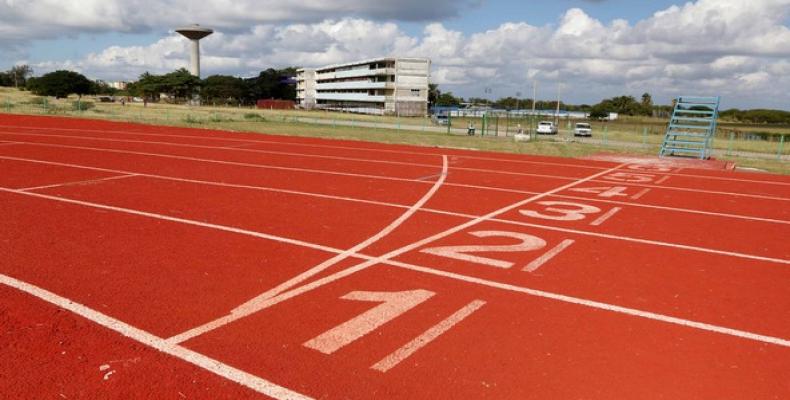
point(644, 136)
point(729, 143)
point(605, 131)
point(781, 146)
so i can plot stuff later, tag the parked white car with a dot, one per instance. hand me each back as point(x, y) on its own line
point(582, 129)
point(547, 128)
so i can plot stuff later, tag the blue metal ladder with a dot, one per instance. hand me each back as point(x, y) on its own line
point(691, 128)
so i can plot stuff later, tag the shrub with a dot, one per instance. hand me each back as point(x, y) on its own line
point(192, 120)
point(254, 116)
point(81, 105)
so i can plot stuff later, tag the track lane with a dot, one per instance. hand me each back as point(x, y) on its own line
point(512, 347)
point(49, 352)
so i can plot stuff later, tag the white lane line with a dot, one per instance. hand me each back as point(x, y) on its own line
point(597, 305)
point(331, 278)
point(259, 302)
point(350, 199)
point(606, 216)
point(538, 262)
point(390, 361)
point(216, 367)
point(211, 183)
point(640, 194)
point(235, 147)
point(247, 142)
point(662, 180)
point(3, 143)
point(224, 320)
point(224, 228)
point(252, 303)
point(646, 241)
point(88, 181)
point(682, 189)
point(333, 250)
point(234, 163)
point(367, 176)
point(295, 144)
point(370, 149)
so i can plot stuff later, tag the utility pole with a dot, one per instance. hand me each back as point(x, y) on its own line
point(557, 113)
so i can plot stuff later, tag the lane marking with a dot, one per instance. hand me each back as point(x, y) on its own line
point(315, 171)
point(252, 303)
point(248, 142)
point(235, 147)
point(640, 194)
point(176, 219)
point(3, 143)
point(538, 262)
point(226, 319)
point(234, 163)
point(262, 188)
point(606, 216)
point(78, 182)
point(393, 304)
point(662, 180)
point(380, 150)
point(296, 144)
point(259, 302)
point(341, 274)
point(390, 361)
point(645, 241)
point(597, 305)
point(334, 250)
point(216, 367)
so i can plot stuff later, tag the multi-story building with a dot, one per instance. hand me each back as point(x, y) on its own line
point(384, 86)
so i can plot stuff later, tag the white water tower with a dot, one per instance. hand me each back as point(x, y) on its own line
point(195, 33)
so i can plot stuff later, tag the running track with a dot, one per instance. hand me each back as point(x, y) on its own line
point(158, 262)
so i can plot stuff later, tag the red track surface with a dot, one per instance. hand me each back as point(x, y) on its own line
point(160, 262)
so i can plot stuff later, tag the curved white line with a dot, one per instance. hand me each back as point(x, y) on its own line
point(255, 304)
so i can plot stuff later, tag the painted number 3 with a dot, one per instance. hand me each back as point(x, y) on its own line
point(562, 211)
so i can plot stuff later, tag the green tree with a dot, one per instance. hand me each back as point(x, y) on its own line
point(19, 74)
point(272, 84)
point(647, 104)
point(61, 84)
point(433, 94)
point(447, 99)
point(222, 89)
point(180, 84)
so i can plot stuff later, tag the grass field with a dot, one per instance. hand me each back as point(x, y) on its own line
point(627, 135)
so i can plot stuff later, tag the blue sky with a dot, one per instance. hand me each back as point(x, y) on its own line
point(594, 48)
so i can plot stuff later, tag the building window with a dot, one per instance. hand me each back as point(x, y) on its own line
point(415, 92)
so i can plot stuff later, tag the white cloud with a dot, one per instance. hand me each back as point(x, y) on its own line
point(734, 48)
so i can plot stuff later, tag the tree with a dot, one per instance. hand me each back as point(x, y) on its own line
point(433, 94)
point(180, 84)
point(222, 89)
point(447, 99)
point(647, 104)
point(272, 84)
point(20, 73)
point(61, 84)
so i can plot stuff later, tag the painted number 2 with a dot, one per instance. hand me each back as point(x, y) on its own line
point(528, 243)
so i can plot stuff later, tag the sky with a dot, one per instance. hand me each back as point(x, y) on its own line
point(589, 49)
